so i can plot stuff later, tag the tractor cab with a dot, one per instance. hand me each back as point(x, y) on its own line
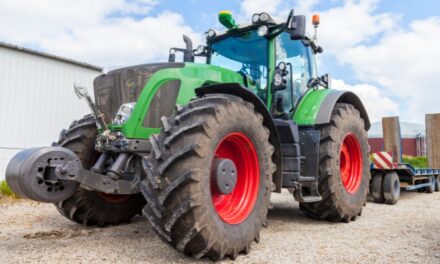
point(276, 60)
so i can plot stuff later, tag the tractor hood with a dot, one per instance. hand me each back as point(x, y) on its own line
point(124, 85)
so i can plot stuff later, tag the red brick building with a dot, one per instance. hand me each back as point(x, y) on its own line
point(413, 138)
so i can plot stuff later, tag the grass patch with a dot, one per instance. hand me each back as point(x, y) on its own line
point(416, 162)
point(6, 191)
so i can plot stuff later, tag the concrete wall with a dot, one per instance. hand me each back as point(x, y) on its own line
point(37, 100)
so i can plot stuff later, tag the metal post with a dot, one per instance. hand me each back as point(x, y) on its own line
point(433, 140)
point(391, 137)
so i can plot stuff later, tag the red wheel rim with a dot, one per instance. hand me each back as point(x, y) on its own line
point(113, 198)
point(235, 207)
point(351, 163)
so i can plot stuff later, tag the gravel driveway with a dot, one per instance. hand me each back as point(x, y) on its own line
point(408, 232)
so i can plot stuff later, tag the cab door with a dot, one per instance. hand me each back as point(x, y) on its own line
point(300, 66)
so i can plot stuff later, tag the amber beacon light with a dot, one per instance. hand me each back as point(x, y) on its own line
point(315, 20)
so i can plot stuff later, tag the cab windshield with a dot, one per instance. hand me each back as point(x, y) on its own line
point(245, 53)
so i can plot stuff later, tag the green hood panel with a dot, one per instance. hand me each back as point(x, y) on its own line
point(191, 77)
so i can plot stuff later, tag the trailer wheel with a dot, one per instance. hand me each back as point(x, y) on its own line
point(344, 167)
point(377, 188)
point(209, 178)
point(93, 208)
point(431, 187)
point(391, 188)
point(437, 183)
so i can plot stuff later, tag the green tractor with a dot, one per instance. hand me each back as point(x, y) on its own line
point(198, 148)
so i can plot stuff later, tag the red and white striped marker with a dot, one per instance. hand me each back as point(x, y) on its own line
point(383, 160)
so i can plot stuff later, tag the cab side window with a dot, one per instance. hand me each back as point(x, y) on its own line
point(296, 55)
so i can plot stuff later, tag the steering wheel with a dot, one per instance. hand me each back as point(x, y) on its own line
point(243, 72)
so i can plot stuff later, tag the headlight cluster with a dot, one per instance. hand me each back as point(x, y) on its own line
point(201, 49)
point(262, 31)
point(123, 113)
point(261, 18)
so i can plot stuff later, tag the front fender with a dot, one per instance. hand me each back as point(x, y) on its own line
point(316, 107)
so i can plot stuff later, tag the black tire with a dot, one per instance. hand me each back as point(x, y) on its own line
point(337, 203)
point(391, 188)
point(89, 207)
point(431, 187)
point(178, 187)
point(377, 188)
point(437, 183)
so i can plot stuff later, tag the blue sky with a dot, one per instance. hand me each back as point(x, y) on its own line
point(386, 51)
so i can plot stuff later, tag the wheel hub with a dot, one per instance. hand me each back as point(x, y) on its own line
point(236, 178)
point(350, 162)
point(225, 175)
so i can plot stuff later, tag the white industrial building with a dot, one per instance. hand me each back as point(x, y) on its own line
point(37, 98)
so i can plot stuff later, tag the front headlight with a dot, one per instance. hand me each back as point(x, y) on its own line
point(123, 113)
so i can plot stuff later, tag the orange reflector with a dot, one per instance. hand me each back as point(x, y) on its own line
point(315, 20)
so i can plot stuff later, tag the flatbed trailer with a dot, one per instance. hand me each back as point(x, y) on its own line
point(388, 178)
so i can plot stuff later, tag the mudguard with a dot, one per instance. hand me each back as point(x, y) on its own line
point(316, 107)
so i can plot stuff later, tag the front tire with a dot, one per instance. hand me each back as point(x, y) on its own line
point(344, 171)
point(185, 205)
point(93, 208)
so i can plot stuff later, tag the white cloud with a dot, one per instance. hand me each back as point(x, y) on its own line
point(374, 100)
point(341, 27)
point(406, 64)
point(123, 41)
point(250, 7)
point(402, 63)
point(103, 32)
point(351, 24)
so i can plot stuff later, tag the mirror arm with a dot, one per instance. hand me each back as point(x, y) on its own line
point(98, 115)
point(82, 92)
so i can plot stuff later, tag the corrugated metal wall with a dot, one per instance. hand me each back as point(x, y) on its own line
point(36, 100)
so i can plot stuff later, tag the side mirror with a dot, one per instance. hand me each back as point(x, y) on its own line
point(296, 26)
point(80, 90)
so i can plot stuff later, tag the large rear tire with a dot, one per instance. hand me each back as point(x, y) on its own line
point(89, 207)
point(184, 203)
point(344, 171)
